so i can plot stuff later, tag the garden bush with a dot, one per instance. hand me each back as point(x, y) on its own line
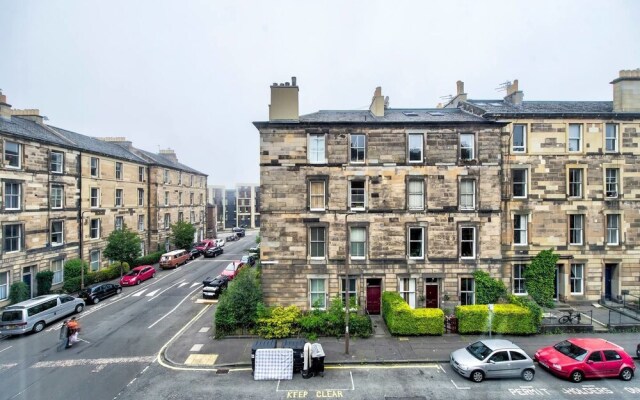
point(278, 322)
point(332, 322)
point(403, 320)
point(73, 268)
point(488, 289)
point(238, 305)
point(149, 259)
point(44, 281)
point(507, 319)
point(19, 291)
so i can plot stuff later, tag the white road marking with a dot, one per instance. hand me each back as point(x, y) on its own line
point(353, 387)
point(204, 329)
point(156, 296)
point(7, 366)
point(138, 294)
point(174, 308)
point(92, 361)
point(6, 348)
point(196, 347)
point(460, 388)
point(98, 367)
point(195, 284)
point(151, 294)
point(182, 284)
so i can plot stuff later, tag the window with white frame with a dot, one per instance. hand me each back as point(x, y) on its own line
point(12, 238)
point(575, 182)
point(575, 137)
point(165, 177)
point(519, 138)
point(180, 216)
point(142, 252)
point(613, 229)
point(519, 182)
point(467, 146)
point(612, 182)
point(57, 233)
point(140, 174)
point(316, 149)
point(57, 196)
point(467, 242)
point(119, 224)
point(318, 293)
point(193, 217)
point(94, 260)
point(12, 154)
point(57, 267)
point(577, 278)
point(357, 195)
point(611, 137)
point(141, 197)
point(201, 199)
point(407, 289)
point(4, 285)
point(12, 195)
point(119, 171)
point(56, 164)
point(518, 279)
point(141, 222)
point(520, 236)
point(353, 294)
point(358, 242)
point(358, 143)
point(190, 180)
point(576, 229)
point(317, 242)
point(317, 195)
point(94, 197)
point(415, 148)
point(467, 291)
point(179, 198)
point(416, 242)
point(467, 194)
point(119, 197)
point(94, 228)
point(166, 198)
point(416, 194)
point(191, 198)
point(167, 221)
point(95, 166)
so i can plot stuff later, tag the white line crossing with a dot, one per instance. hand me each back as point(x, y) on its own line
point(182, 284)
point(151, 294)
point(7, 366)
point(93, 361)
point(195, 284)
point(138, 294)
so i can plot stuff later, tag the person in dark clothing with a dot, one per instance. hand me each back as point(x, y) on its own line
point(64, 336)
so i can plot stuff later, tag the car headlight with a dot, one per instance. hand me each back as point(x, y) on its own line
point(557, 366)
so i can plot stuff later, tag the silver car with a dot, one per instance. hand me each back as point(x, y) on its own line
point(492, 358)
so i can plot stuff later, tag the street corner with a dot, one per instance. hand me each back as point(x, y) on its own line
point(201, 360)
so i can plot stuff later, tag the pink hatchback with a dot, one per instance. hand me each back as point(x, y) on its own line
point(137, 275)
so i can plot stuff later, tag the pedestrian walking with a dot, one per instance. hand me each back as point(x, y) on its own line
point(73, 327)
point(64, 336)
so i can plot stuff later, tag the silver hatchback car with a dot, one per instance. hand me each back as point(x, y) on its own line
point(492, 358)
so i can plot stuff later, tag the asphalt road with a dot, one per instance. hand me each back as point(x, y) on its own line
point(121, 337)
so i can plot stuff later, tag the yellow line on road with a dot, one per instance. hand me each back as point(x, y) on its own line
point(363, 366)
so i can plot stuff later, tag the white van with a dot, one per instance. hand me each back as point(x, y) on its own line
point(34, 314)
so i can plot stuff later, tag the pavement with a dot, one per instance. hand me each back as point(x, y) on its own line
point(195, 346)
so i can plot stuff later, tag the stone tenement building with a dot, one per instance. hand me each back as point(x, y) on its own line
point(421, 198)
point(63, 193)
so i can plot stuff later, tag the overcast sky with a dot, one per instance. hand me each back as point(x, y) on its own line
point(193, 75)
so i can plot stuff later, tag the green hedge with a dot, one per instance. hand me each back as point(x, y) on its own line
point(72, 284)
point(149, 259)
point(403, 320)
point(507, 319)
point(278, 322)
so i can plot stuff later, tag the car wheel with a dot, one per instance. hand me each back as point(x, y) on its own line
point(96, 300)
point(38, 327)
point(118, 290)
point(577, 376)
point(138, 282)
point(154, 275)
point(626, 374)
point(477, 376)
point(79, 308)
point(528, 375)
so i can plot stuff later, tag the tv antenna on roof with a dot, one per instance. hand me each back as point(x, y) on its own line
point(503, 86)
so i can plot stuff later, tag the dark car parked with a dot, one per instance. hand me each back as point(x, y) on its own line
point(194, 253)
point(214, 286)
point(232, 238)
point(99, 291)
point(248, 259)
point(213, 252)
point(238, 231)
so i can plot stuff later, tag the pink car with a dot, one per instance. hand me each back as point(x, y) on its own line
point(576, 359)
point(137, 275)
point(232, 269)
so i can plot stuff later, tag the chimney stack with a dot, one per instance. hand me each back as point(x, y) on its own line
point(170, 154)
point(459, 97)
point(5, 108)
point(119, 140)
point(626, 91)
point(284, 102)
point(378, 103)
point(514, 96)
point(32, 114)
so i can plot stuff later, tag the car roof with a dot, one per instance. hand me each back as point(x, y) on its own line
point(594, 344)
point(31, 302)
point(139, 267)
point(499, 344)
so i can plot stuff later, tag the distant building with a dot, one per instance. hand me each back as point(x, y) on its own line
point(236, 207)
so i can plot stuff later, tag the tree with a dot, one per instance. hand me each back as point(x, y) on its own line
point(238, 305)
point(539, 277)
point(182, 234)
point(123, 245)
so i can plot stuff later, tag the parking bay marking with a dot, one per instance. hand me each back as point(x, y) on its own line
point(459, 387)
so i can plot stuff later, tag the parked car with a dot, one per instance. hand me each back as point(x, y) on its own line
point(232, 238)
point(194, 253)
point(174, 259)
point(220, 242)
point(204, 245)
point(492, 358)
point(576, 359)
point(34, 314)
point(214, 286)
point(138, 275)
point(99, 291)
point(255, 249)
point(238, 231)
point(248, 259)
point(232, 269)
point(213, 252)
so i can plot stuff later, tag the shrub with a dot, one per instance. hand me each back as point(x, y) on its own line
point(488, 290)
point(44, 281)
point(149, 259)
point(360, 325)
point(281, 322)
point(72, 285)
point(539, 276)
point(403, 320)
point(506, 319)
point(73, 268)
point(238, 305)
point(18, 292)
point(534, 308)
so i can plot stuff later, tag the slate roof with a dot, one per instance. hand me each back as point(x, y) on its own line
point(393, 115)
point(94, 145)
point(164, 161)
point(502, 107)
point(28, 129)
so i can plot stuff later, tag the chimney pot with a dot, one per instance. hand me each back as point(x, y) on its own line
point(293, 81)
point(460, 87)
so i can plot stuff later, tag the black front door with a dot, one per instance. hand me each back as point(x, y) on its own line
point(608, 277)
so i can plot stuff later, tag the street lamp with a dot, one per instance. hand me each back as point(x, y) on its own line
point(347, 259)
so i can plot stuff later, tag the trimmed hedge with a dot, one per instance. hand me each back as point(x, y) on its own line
point(72, 284)
point(507, 319)
point(403, 320)
point(278, 322)
point(149, 259)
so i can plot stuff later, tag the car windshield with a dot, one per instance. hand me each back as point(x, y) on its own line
point(230, 267)
point(200, 244)
point(571, 350)
point(133, 273)
point(479, 350)
point(245, 258)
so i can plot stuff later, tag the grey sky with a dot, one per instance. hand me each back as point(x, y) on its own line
point(193, 75)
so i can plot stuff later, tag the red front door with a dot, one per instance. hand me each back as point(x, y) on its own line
point(431, 294)
point(373, 299)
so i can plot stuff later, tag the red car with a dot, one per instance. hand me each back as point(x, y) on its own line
point(576, 359)
point(137, 275)
point(232, 269)
point(205, 245)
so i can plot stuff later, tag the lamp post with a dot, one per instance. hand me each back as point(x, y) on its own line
point(347, 260)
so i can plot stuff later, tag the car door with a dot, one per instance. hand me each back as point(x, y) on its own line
point(594, 365)
point(612, 363)
point(498, 364)
point(519, 362)
point(145, 273)
point(67, 305)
